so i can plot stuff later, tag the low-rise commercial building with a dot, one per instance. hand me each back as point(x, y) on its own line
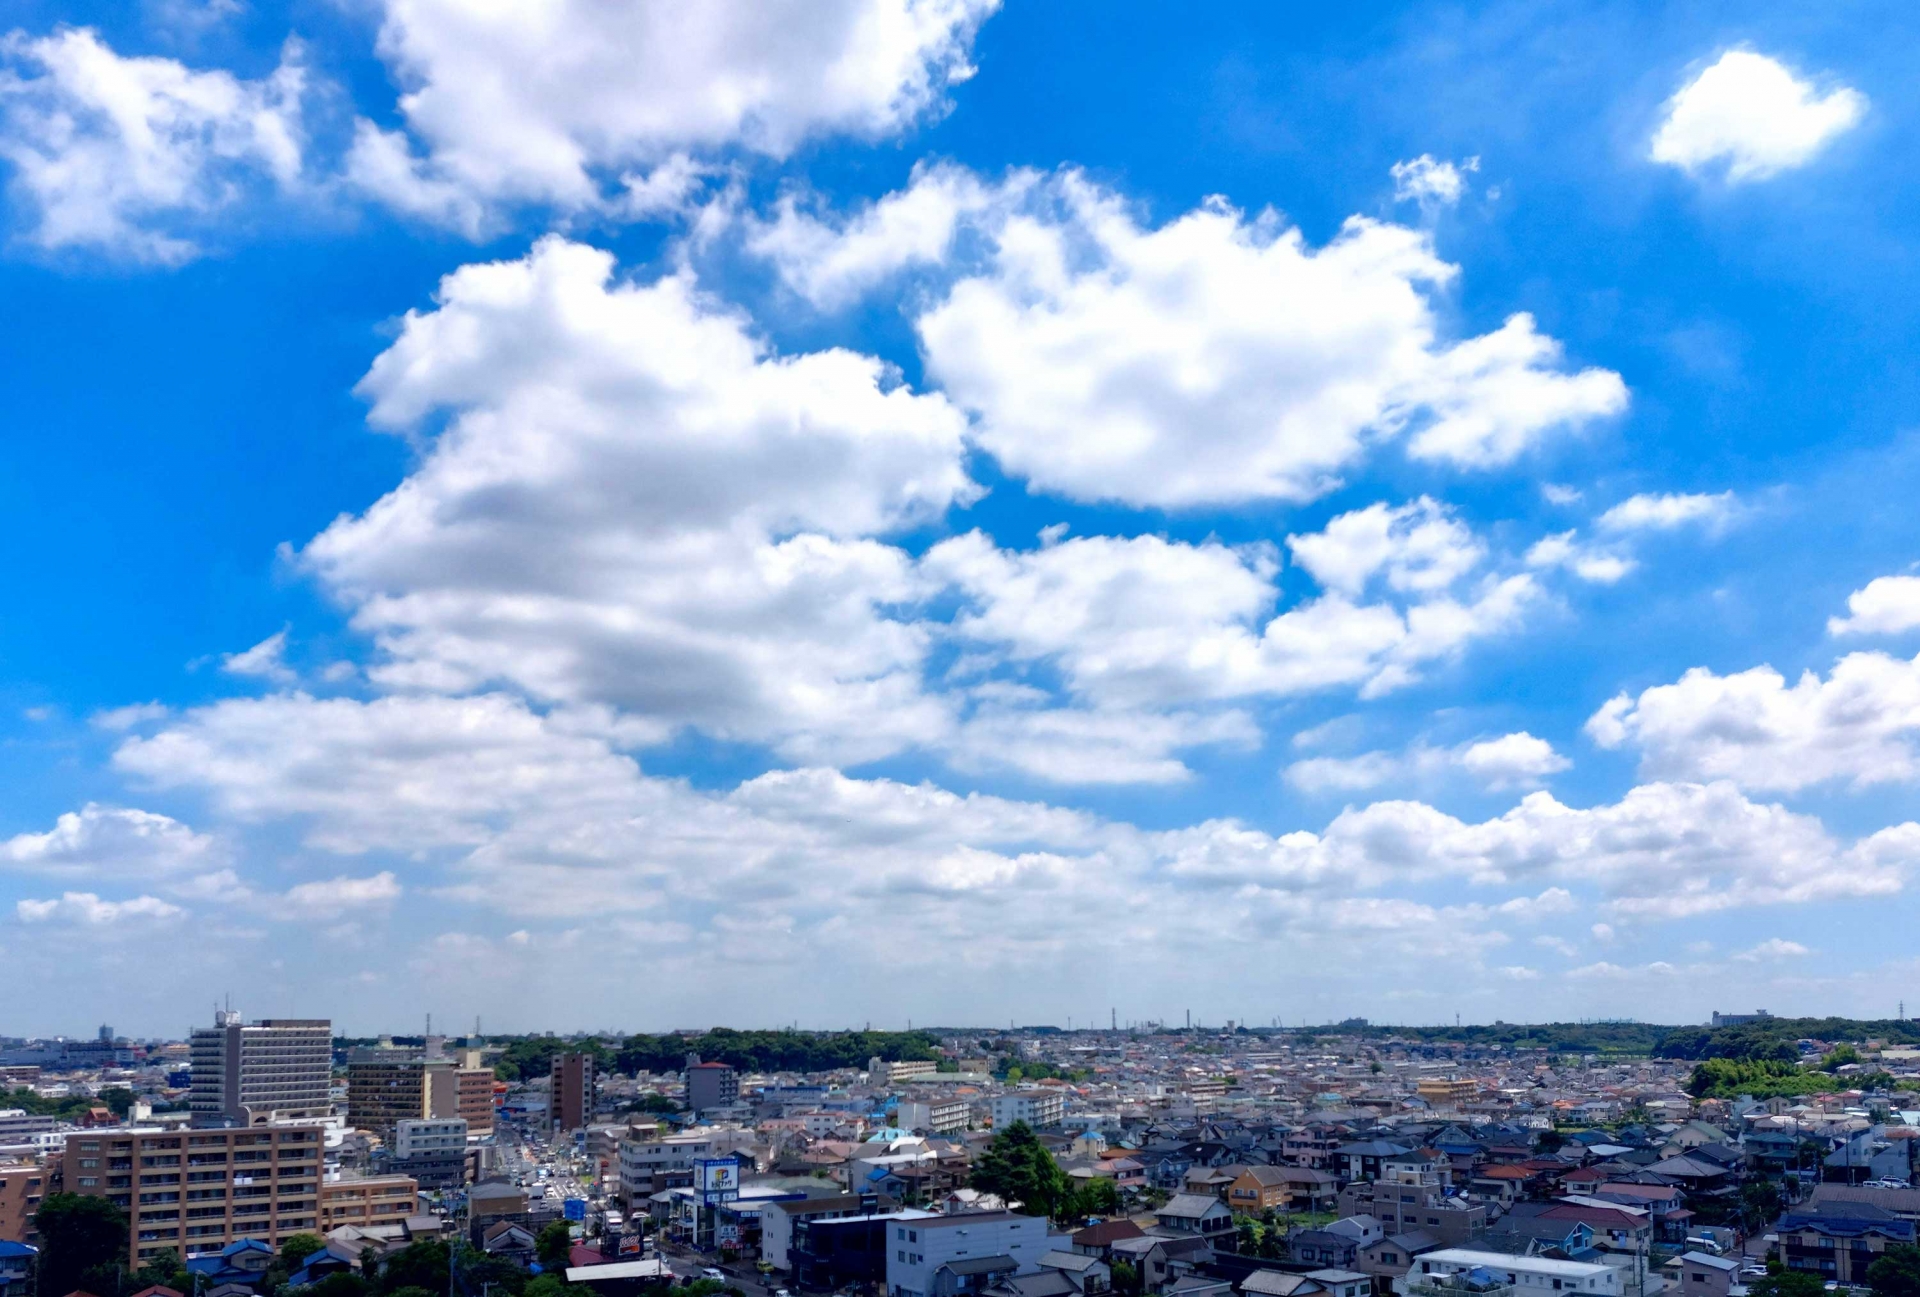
point(935, 1116)
point(367, 1200)
point(944, 1256)
point(1434, 1275)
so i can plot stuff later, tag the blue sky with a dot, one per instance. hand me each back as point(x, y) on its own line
point(949, 510)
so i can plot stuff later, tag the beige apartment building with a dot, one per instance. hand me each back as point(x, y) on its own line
point(367, 1200)
point(198, 1190)
point(1447, 1092)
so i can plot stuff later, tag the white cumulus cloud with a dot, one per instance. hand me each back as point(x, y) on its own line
point(1860, 725)
point(1431, 182)
point(138, 157)
point(109, 842)
point(1751, 115)
point(566, 102)
point(1887, 605)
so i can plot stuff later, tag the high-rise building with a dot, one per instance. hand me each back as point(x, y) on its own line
point(711, 1085)
point(570, 1099)
point(386, 1087)
point(249, 1074)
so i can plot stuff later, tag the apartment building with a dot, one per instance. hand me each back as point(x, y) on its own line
point(432, 1150)
point(250, 1074)
point(935, 1116)
point(22, 1186)
point(1446, 1092)
point(711, 1085)
point(196, 1191)
point(367, 1200)
point(18, 1126)
point(385, 1088)
point(1040, 1109)
point(881, 1072)
point(571, 1095)
point(943, 1255)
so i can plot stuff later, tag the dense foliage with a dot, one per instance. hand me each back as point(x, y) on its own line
point(1727, 1078)
point(83, 1244)
point(1774, 1038)
point(1788, 1283)
point(116, 1098)
point(1896, 1273)
point(1612, 1038)
point(774, 1051)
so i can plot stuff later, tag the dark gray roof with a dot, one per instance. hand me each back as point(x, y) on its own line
point(981, 1265)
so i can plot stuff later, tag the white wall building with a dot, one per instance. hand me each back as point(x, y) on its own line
point(1040, 1109)
point(935, 1116)
point(429, 1136)
point(1526, 1276)
point(925, 1257)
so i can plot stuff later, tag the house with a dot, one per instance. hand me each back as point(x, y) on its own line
point(1278, 1283)
point(1702, 1275)
point(1363, 1159)
point(16, 1269)
point(1087, 1274)
point(1194, 1214)
point(243, 1263)
point(1259, 1188)
point(334, 1258)
point(1388, 1258)
point(1342, 1283)
point(509, 1241)
point(1098, 1240)
point(1324, 1248)
point(1159, 1259)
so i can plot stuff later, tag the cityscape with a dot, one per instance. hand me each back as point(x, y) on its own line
point(269, 1156)
point(959, 648)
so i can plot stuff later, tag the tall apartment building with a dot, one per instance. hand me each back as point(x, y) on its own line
point(196, 1191)
point(711, 1085)
point(570, 1098)
point(385, 1088)
point(1040, 1109)
point(249, 1074)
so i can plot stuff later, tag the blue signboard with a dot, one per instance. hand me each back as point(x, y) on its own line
point(574, 1209)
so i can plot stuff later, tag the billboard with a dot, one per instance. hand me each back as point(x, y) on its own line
point(717, 1179)
point(574, 1209)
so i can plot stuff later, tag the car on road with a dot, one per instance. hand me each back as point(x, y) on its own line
point(711, 1273)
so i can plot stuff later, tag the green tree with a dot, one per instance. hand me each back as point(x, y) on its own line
point(1787, 1283)
point(1760, 1205)
point(411, 1292)
point(1896, 1273)
point(341, 1283)
point(417, 1265)
point(1838, 1057)
point(1018, 1168)
point(1095, 1196)
point(1126, 1279)
point(83, 1241)
point(552, 1245)
point(1550, 1141)
point(165, 1270)
point(298, 1247)
point(544, 1285)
